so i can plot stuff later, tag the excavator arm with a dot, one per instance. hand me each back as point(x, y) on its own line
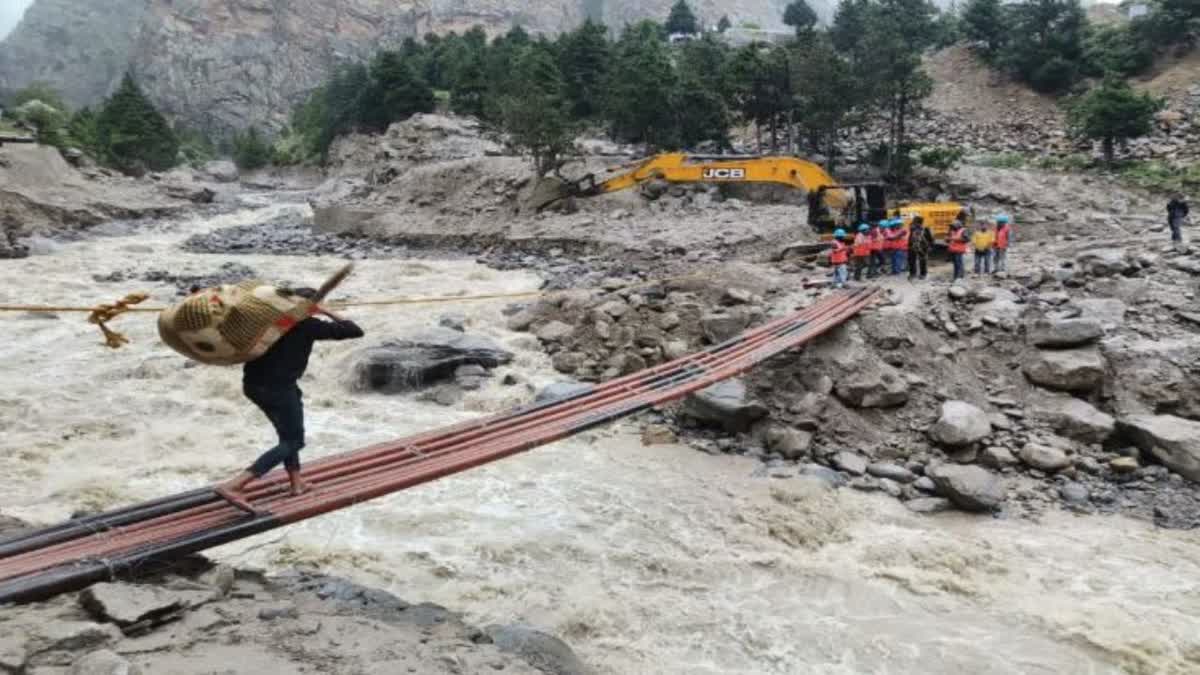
point(683, 168)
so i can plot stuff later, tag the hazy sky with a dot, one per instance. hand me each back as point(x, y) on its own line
point(11, 10)
point(10, 14)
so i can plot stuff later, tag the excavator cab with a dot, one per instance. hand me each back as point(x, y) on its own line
point(867, 203)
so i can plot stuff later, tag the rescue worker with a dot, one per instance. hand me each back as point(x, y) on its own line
point(877, 244)
point(839, 257)
point(900, 250)
point(1000, 245)
point(861, 251)
point(270, 382)
point(890, 242)
point(982, 241)
point(1177, 211)
point(957, 243)
point(920, 243)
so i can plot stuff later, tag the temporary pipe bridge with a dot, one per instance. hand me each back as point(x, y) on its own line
point(121, 543)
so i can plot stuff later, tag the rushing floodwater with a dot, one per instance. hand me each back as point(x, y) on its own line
point(647, 560)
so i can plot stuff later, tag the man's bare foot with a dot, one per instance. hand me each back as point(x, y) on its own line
point(228, 494)
point(299, 489)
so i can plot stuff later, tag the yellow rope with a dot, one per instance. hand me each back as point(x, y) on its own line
point(100, 315)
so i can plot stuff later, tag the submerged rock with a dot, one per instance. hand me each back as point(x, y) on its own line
point(540, 650)
point(424, 358)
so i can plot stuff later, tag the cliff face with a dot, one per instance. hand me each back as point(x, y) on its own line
point(81, 48)
point(225, 64)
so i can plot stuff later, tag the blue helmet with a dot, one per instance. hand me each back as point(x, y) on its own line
point(892, 222)
point(863, 227)
point(839, 233)
point(1002, 219)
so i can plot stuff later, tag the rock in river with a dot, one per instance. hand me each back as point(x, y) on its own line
point(1174, 441)
point(427, 357)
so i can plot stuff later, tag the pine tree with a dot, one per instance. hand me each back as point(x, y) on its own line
point(1113, 112)
point(800, 16)
point(639, 87)
point(682, 19)
point(132, 134)
point(395, 93)
point(586, 57)
point(1046, 48)
point(724, 24)
point(534, 112)
point(985, 24)
point(82, 132)
point(826, 94)
point(250, 150)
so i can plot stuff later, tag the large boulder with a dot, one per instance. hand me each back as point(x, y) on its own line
point(1110, 312)
point(561, 391)
point(1061, 333)
point(424, 358)
point(1174, 441)
point(222, 171)
point(130, 604)
point(1075, 419)
point(1071, 370)
point(880, 387)
point(103, 662)
point(1105, 262)
point(1154, 376)
point(721, 326)
point(971, 488)
point(544, 652)
point(961, 424)
point(726, 405)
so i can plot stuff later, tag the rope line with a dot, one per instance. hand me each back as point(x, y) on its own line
point(101, 315)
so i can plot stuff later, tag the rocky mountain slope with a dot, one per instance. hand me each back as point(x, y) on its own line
point(224, 64)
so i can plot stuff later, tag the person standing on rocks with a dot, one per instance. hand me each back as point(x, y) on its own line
point(900, 254)
point(839, 257)
point(877, 245)
point(861, 251)
point(1177, 212)
point(891, 244)
point(958, 248)
point(270, 382)
point(920, 242)
point(1000, 245)
point(982, 242)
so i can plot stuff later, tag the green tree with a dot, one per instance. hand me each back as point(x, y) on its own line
point(250, 150)
point(470, 86)
point(724, 24)
point(396, 92)
point(38, 91)
point(826, 94)
point(699, 102)
point(133, 136)
point(639, 87)
point(45, 118)
point(889, 61)
point(1113, 112)
point(534, 113)
point(985, 25)
point(800, 16)
point(1117, 49)
point(682, 19)
point(82, 131)
point(1046, 45)
point(586, 56)
point(850, 25)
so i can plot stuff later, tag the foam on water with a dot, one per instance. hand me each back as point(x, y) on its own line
point(658, 559)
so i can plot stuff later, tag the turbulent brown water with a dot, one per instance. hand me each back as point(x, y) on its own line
point(656, 559)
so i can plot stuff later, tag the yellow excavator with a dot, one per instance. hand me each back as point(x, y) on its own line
point(830, 204)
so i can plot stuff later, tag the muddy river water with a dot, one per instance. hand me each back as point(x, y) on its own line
point(645, 559)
